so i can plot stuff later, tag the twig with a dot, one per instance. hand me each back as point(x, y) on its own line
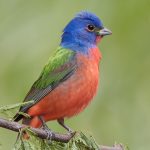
point(115, 147)
point(14, 126)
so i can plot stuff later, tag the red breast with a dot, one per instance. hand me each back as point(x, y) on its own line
point(74, 94)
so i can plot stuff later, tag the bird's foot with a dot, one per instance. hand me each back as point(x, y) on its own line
point(46, 129)
point(49, 134)
point(70, 131)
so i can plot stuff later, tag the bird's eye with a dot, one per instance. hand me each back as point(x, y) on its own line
point(91, 27)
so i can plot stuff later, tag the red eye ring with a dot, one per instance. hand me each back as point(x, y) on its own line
point(91, 27)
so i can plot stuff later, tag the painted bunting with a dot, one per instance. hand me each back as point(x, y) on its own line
point(69, 81)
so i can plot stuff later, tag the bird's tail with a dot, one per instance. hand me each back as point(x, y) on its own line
point(34, 122)
point(17, 117)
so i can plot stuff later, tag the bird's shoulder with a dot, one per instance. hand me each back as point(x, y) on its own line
point(59, 64)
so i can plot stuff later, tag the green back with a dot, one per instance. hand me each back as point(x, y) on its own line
point(59, 68)
point(61, 63)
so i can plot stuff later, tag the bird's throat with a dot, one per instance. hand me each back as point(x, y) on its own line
point(98, 39)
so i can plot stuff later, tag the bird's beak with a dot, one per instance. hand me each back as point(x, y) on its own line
point(104, 32)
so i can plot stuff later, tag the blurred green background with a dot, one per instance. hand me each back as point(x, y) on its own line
point(30, 30)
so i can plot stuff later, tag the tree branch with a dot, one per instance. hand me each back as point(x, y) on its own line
point(14, 126)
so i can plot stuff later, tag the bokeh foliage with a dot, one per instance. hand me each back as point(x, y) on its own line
point(30, 30)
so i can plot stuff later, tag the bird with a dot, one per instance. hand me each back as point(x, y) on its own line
point(69, 80)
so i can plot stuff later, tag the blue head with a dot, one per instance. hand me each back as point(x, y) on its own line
point(82, 32)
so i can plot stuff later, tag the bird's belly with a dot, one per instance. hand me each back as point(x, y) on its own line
point(71, 96)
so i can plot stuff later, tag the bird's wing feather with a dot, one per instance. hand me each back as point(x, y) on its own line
point(59, 68)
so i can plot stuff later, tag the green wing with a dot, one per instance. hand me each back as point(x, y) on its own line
point(61, 63)
point(59, 68)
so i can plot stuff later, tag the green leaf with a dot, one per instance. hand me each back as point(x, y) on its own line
point(10, 110)
point(79, 142)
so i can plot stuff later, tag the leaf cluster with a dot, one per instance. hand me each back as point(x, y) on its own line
point(79, 142)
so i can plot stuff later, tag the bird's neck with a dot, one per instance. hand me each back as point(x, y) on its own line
point(95, 54)
point(76, 44)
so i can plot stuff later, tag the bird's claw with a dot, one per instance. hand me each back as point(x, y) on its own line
point(46, 129)
point(71, 132)
point(49, 134)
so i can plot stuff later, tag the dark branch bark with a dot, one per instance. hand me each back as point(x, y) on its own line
point(14, 126)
